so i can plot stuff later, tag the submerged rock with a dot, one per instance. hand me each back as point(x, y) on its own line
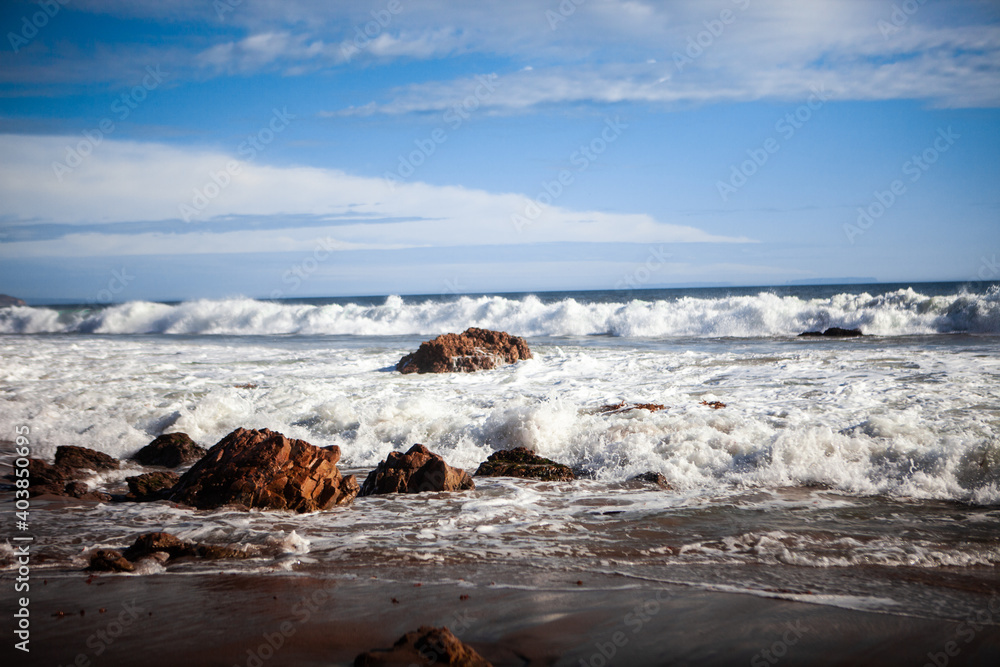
point(416, 471)
point(524, 463)
point(151, 486)
point(834, 332)
point(472, 350)
point(425, 646)
point(47, 479)
point(264, 469)
point(649, 477)
point(169, 451)
point(69, 456)
point(81, 491)
point(616, 408)
point(109, 560)
point(715, 405)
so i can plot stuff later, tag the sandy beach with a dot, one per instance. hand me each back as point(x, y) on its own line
point(238, 620)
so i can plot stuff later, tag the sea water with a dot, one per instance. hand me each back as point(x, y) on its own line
point(862, 472)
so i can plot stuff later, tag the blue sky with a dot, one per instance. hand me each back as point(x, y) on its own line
point(177, 150)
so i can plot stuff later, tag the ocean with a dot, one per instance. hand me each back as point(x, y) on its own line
point(860, 473)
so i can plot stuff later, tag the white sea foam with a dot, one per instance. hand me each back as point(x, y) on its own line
point(902, 312)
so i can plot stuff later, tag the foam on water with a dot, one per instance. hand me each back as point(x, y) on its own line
point(900, 312)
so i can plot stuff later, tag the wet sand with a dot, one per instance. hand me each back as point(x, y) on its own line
point(202, 619)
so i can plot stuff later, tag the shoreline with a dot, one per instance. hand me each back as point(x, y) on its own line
point(239, 619)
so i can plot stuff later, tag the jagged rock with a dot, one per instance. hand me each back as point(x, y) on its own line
point(472, 350)
point(649, 478)
point(522, 462)
point(415, 471)
point(151, 486)
point(715, 405)
point(616, 408)
point(109, 560)
point(834, 332)
point(169, 451)
point(425, 646)
point(264, 469)
point(68, 456)
point(6, 300)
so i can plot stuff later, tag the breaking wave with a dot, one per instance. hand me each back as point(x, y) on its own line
point(896, 313)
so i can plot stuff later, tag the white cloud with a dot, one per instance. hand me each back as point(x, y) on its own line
point(125, 181)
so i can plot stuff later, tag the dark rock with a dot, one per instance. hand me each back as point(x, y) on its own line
point(266, 470)
point(522, 462)
point(151, 486)
point(6, 300)
point(473, 350)
point(170, 450)
point(834, 332)
point(109, 560)
point(68, 456)
point(415, 471)
point(615, 408)
point(45, 478)
point(715, 405)
point(81, 491)
point(650, 478)
point(425, 646)
point(150, 543)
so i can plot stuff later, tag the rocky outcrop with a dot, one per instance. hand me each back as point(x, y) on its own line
point(416, 471)
point(68, 456)
point(834, 332)
point(151, 486)
point(6, 300)
point(425, 646)
point(473, 350)
point(264, 469)
point(169, 451)
point(45, 478)
point(152, 544)
point(522, 462)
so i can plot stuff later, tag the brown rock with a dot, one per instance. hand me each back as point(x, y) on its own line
point(150, 543)
point(45, 478)
point(522, 462)
point(83, 492)
point(266, 470)
point(616, 408)
point(649, 478)
point(68, 456)
point(109, 560)
point(425, 646)
point(715, 405)
point(415, 471)
point(473, 350)
point(170, 450)
point(151, 485)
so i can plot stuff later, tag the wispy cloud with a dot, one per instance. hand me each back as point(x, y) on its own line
point(135, 190)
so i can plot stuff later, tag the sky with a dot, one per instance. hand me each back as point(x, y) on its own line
point(186, 149)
